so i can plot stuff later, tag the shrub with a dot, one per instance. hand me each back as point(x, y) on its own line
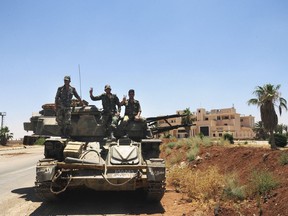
point(192, 153)
point(175, 176)
point(262, 182)
point(221, 142)
point(283, 160)
point(199, 185)
point(233, 189)
point(176, 158)
point(206, 141)
point(168, 151)
point(280, 140)
point(171, 145)
point(204, 185)
point(229, 137)
point(180, 143)
point(200, 135)
point(189, 143)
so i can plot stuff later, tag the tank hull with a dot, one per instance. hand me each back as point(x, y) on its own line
point(113, 167)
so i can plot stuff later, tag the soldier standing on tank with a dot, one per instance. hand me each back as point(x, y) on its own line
point(132, 107)
point(110, 113)
point(132, 110)
point(63, 101)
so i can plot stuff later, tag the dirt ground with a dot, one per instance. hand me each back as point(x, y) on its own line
point(242, 159)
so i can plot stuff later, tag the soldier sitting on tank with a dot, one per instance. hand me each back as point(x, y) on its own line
point(63, 100)
point(132, 110)
point(110, 114)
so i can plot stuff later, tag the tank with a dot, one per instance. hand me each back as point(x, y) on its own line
point(85, 123)
point(89, 159)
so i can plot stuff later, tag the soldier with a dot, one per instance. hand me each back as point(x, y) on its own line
point(63, 100)
point(132, 111)
point(132, 107)
point(110, 113)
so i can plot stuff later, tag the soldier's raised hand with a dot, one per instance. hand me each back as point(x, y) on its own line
point(91, 91)
point(124, 99)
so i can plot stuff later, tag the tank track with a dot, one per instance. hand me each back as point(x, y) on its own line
point(155, 191)
point(43, 192)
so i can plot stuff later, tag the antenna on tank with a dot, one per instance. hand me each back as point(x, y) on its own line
point(80, 80)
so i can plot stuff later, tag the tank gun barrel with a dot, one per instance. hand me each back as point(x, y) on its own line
point(152, 122)
point(154, 119)
point(158, 130)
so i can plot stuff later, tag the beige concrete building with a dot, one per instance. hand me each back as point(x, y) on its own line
point(215, 123)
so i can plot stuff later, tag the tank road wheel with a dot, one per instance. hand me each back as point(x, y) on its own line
point(44, 193)
point(155, 191)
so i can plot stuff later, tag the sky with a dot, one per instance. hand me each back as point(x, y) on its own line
point(176, 54)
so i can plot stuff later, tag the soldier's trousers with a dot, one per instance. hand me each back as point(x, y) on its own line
point(63, 118)
point(110, 122)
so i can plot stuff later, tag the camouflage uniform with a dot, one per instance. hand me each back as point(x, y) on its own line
point(63, 106)
point(131, 109)
point(109, 103)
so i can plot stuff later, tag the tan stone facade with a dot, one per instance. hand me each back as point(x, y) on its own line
point(215, 123)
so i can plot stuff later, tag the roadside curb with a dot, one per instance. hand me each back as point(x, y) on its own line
point(9, 148)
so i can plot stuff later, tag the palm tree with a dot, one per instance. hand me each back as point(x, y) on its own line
point(267, 97)
point(187, 119)
point(281, 128)
point(5, 135)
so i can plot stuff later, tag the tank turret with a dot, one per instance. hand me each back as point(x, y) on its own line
point(89, 159)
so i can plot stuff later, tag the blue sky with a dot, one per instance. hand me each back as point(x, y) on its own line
point(175, 54)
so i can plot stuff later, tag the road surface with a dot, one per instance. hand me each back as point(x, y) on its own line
point(17, 176)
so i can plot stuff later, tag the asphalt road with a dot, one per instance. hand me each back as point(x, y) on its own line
point(17, 176)
point(17, 168)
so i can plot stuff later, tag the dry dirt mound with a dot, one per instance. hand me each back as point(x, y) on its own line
point(244, 160)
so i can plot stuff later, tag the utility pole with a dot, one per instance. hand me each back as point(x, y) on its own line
point(2, 114)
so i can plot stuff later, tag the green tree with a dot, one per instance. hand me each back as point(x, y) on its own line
point(260, 132)
point(5, 135)
point(281, 128)
point(187, 119)
point(267, 98)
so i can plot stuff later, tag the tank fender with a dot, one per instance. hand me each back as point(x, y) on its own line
point(45, 170)
point(156, 169)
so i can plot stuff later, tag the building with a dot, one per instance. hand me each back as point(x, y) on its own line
point(215, 123)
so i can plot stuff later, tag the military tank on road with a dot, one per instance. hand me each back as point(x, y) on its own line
point(89, 159)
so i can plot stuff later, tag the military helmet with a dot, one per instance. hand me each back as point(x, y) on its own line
point(67, 78)
point(107, 87)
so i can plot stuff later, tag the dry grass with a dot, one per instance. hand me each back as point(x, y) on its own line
point(199, 185)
